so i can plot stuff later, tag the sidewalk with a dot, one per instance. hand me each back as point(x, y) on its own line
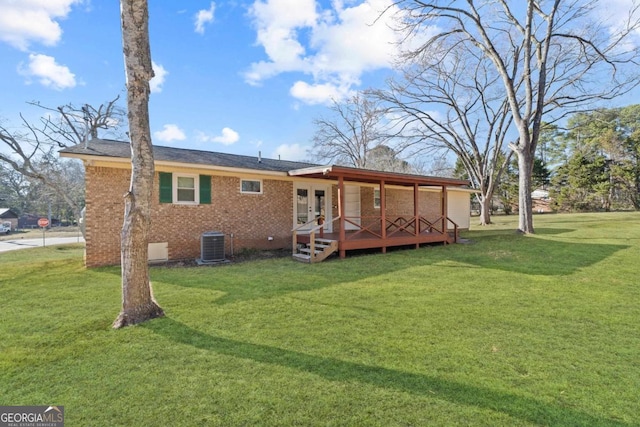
point(15, 244)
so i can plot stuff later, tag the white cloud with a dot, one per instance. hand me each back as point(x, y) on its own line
point(157, 81)
point(204, 16)
point(319, 93)
point(615, 14)
point(227, 137)
point(356, 42)
point(25, 22)
point(290, 152)
point(333, 46)
point(170, 133)
point(49, 73)
point(277, 24)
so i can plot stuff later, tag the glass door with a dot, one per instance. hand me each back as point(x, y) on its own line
point(302, 206)
point(319, 209)
point(311, 202)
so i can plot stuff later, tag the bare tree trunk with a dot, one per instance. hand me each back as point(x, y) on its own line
point(485, 210)
point(138, 303)
point(525, 203)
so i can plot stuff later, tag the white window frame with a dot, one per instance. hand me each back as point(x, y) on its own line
point(376, 206)
point(251, 192)
point(196, 189)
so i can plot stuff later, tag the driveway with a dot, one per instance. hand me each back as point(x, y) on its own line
point(12, 245)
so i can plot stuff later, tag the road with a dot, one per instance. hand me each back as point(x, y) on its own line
point(12, 245)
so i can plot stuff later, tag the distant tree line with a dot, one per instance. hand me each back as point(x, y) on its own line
point(595, 162)
point(26, 195)
point(591, 164)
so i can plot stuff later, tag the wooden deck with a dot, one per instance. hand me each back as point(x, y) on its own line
point(399, 232)
point(356, 240)
point(383, 231)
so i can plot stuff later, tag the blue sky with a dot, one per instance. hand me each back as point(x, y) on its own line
point(237, 76)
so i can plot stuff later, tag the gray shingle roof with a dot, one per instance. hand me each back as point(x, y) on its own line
point(7, 213)
point(121, 149)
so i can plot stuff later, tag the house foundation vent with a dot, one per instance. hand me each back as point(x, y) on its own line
point(212, 247)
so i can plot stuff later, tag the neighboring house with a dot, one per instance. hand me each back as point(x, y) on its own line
point(257, 203)
point(540, 201)
point(27, 221)
point(7, 215)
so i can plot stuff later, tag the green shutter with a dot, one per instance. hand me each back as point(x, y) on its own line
point(205, 189)
point(166, 192)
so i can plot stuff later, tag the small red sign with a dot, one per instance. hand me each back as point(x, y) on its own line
point(43, 222)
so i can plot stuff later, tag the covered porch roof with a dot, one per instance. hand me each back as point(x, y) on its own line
point(346, 173)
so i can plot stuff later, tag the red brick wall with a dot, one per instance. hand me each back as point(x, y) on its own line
point(251, 218)
point(104, 214)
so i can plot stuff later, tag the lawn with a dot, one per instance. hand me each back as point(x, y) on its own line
point(507, 330)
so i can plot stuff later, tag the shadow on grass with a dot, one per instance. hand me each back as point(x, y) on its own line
point(488, 232)
point(499, 249)
point(553, 231)
point(267, 279)
point(505, 250)
point(524, 408)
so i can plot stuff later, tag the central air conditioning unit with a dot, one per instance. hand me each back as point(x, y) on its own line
point(212, 247)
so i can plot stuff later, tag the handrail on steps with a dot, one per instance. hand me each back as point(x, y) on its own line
point(312, 234)
point(455, 230)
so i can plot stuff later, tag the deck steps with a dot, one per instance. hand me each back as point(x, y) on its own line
point(322, 249)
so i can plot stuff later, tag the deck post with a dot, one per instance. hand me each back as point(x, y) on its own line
point(383, 216)
point(342, 236)
point(444, 210)
point(416, 210)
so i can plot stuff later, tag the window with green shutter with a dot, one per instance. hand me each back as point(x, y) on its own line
point(184, 189)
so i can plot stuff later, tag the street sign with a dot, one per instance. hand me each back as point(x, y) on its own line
point(43, 222)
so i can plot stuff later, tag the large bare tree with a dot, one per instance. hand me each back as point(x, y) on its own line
point(138, 304)
point(350, 133)
point(451, 102)
point(31, 150)
point(554, 57)
point(69, 124)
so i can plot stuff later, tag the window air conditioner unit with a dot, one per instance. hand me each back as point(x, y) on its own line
point(212, 247)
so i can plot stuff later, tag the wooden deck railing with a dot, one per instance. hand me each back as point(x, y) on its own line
point(400, 228)
point(400, 224)
point(367, 228)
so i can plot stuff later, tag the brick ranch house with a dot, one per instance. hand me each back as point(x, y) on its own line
point(258, 203)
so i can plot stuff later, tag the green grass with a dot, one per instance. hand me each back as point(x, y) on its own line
point(509, 330)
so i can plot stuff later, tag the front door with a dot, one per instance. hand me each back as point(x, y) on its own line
point(311, 201)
